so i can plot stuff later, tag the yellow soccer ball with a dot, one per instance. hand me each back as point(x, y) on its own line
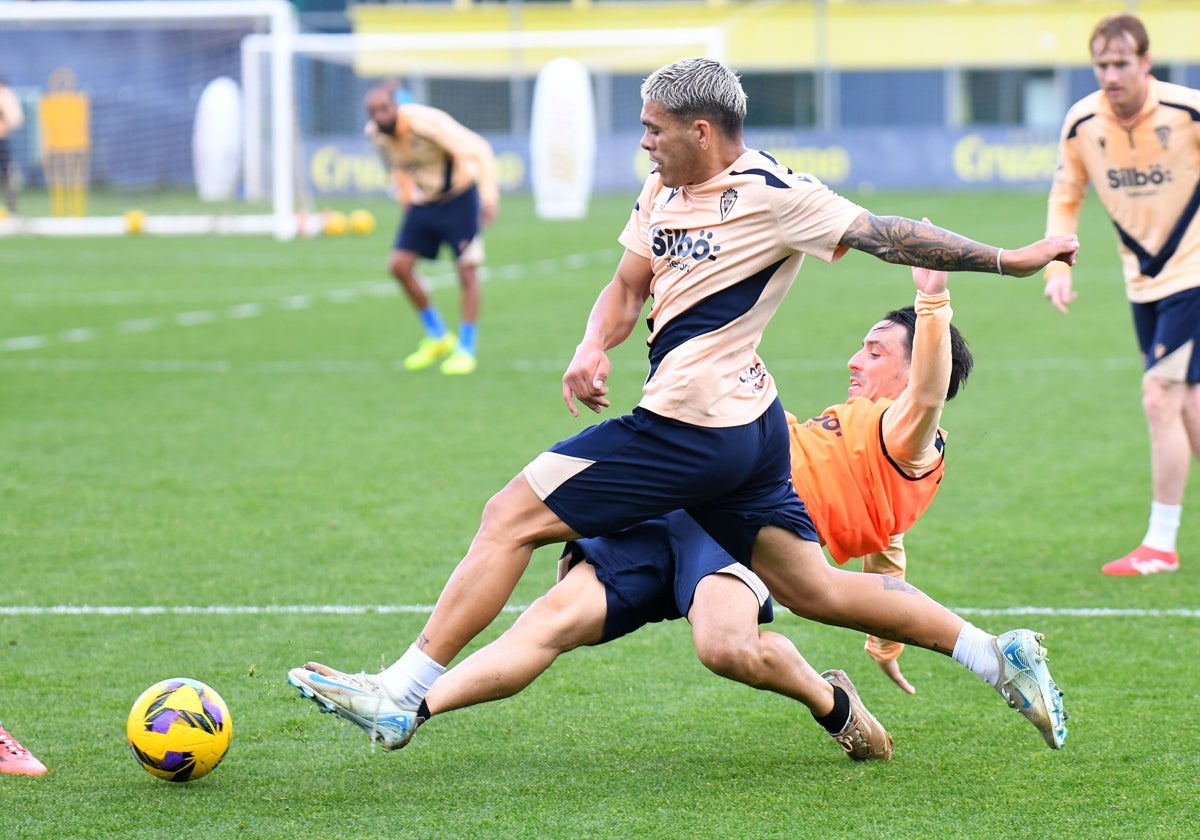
point(333, 223)
point(135, 221)
point(179, 729)
point(362, 222)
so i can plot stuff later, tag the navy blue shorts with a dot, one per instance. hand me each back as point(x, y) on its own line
point(427, 226)
point(1163, 327)
point(733, 481)
point(650, 571)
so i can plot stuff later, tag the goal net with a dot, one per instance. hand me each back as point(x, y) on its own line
point(220, 116)
point(487, 80)
point(133, 115)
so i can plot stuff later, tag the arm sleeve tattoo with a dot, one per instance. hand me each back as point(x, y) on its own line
point(896, 239)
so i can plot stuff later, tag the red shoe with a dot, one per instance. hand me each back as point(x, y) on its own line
point(16, 759)
point(1144, 561)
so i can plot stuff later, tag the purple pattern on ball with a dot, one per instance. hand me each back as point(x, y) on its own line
point(164, 720)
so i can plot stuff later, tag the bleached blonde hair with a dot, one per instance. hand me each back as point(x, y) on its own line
point(699, 88)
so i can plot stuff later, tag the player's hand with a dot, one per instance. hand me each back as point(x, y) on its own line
point(1033, 258)
point(892, 669)
point(488, 213)
point(585, 379)
point(1058, 290)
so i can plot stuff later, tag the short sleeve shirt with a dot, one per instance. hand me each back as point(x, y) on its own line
point(724, 254)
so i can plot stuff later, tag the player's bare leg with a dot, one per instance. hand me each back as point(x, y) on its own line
point(462, 359)
point(801, 579)
point(568, 616)
point(388, 706)
point(515, 522)
point(1163, 403)
point(1014, 663)
point(1174, 431)
point(724, 617)
point(471, 295)
point(403, 266)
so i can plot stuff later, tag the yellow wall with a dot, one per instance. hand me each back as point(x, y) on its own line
point(797, 35)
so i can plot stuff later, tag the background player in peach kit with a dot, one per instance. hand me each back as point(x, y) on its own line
point(446, 179)
point(1137, 140)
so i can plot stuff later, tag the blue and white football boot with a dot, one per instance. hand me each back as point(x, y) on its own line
point(1025, 683)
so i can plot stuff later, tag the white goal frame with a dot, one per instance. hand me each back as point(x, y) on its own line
point(282, 24)
point(273, 90)
point(512, 46)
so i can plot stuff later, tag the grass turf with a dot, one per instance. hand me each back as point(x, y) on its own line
point(221, 422)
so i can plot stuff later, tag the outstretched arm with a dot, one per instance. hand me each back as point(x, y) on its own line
point(910, 424)
point(904, 241)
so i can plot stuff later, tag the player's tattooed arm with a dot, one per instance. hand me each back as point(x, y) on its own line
point(896, 239)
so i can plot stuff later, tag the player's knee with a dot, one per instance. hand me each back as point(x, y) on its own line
point(1161, 400)
point(401, 264)
point(516, 516)
point(727, 657)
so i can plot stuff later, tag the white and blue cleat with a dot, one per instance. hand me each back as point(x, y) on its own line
point(360, 699)
point(1026, 684)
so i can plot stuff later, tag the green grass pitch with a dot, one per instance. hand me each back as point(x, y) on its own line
point(222, 423)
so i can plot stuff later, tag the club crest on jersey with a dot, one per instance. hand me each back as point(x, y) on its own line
point(728, 199)
point(1163, 133)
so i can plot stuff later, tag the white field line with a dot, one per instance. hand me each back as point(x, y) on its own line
point(389, 609)
point(291, 301)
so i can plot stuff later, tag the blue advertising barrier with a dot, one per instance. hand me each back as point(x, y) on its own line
point(901, 158)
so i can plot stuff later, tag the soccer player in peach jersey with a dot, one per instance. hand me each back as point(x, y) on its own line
point(1137, 141)
point(445, 178)
point(716, 237)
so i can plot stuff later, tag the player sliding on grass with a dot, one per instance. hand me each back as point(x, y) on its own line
point(867, 468)
point(716, 237)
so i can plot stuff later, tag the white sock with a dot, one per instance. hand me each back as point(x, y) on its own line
point(410, 677)
point(1164, 526)
point(974, 650)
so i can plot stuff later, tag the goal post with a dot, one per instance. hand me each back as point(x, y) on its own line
point(148, 67)
point(142, 65)
point(484, 79)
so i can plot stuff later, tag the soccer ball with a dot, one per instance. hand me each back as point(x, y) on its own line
point(135, 221)
point(179, 729)
point(333, 222)
point(362, 222)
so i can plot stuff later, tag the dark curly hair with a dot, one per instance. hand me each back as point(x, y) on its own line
point(961, 360)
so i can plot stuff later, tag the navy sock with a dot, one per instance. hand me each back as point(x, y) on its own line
point(835, 721)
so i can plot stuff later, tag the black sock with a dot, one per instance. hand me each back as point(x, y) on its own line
point(423, 711)
point(835, 721)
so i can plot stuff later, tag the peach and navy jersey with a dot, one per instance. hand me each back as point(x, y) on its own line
point(723, 254)
point(435, 158)
point(1147, 177)
point(857, 496)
